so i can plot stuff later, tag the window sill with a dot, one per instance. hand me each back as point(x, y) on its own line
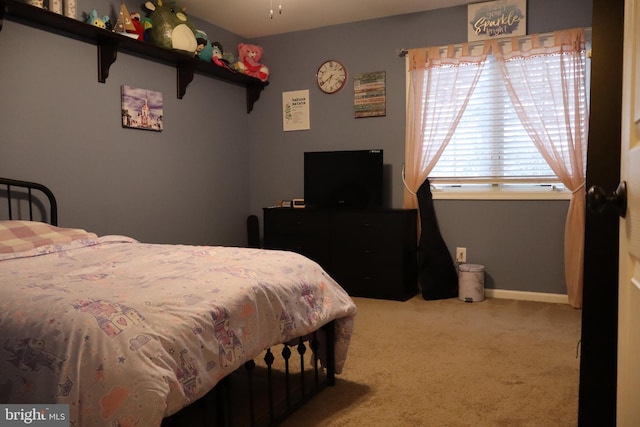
point(450, 194)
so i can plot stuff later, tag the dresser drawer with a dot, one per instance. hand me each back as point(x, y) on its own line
point(358, 224)
point(304, 232)
point(374, 257)
point(379, 225)
point(314, 247)
point(293, 221)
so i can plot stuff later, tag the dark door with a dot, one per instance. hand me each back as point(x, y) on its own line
point(598, 362)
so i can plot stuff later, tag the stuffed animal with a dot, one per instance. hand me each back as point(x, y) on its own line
point(93, 19)
point(137, 23)
point(226, 56)
point(220, 58)
point(248, 62)
point(145, 22)
point(204, 50)
point(170, 27)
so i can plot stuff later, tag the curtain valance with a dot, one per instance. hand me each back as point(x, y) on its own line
point(573, 40)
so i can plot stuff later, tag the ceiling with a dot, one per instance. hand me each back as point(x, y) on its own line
point(250, 18)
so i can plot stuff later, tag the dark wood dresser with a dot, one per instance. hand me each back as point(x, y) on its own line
point(370, 253)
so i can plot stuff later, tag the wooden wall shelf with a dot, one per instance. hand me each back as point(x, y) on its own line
point(109, 44)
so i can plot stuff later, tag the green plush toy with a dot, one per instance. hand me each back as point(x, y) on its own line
point(170, 27)
point(94, 19)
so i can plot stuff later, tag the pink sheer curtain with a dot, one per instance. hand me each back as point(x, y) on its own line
point(438, 96)
point(564, 76)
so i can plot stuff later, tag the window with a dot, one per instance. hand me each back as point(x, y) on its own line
point(490, 148)
point(551, 102)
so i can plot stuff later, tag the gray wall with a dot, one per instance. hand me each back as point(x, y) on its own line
point(186, 184)
point(196, 181)
point(277, 156)
point(520, 243)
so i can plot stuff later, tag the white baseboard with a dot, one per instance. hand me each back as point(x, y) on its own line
point(527, 296)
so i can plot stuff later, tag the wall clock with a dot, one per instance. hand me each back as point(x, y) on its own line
point(332, 76)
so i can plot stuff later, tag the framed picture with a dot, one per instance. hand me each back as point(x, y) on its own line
point(295, 110)
point(370, 99)
point(141, 109)
point(495, 19)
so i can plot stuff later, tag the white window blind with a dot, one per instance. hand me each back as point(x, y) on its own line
point(490, 144)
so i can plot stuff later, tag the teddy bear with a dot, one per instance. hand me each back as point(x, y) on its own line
point(248, 61)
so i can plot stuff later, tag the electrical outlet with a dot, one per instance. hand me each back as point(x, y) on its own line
point(461, 255)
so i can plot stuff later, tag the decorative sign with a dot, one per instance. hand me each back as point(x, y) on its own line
point(295, 110)
point(370, 94)
point(495, 19)
point(141, 109)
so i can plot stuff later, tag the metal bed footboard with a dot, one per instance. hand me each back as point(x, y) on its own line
point(18, 193)
point(260, 395)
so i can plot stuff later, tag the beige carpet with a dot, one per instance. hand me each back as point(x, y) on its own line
point(450, 363)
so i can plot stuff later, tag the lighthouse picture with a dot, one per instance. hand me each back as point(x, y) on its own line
point(141, 109)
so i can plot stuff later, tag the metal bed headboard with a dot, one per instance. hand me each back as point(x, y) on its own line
point(9, 184)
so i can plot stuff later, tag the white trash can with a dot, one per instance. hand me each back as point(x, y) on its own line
point(471, 282)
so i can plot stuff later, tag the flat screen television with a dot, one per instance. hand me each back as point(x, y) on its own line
point(343, 179)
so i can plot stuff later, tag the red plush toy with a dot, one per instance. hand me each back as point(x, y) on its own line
point(248, 63)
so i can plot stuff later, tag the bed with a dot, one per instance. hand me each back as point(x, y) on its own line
point(134, 334)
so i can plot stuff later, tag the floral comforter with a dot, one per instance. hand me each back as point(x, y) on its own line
point(128, 333)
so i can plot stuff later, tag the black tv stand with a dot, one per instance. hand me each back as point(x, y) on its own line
point(369, 252)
